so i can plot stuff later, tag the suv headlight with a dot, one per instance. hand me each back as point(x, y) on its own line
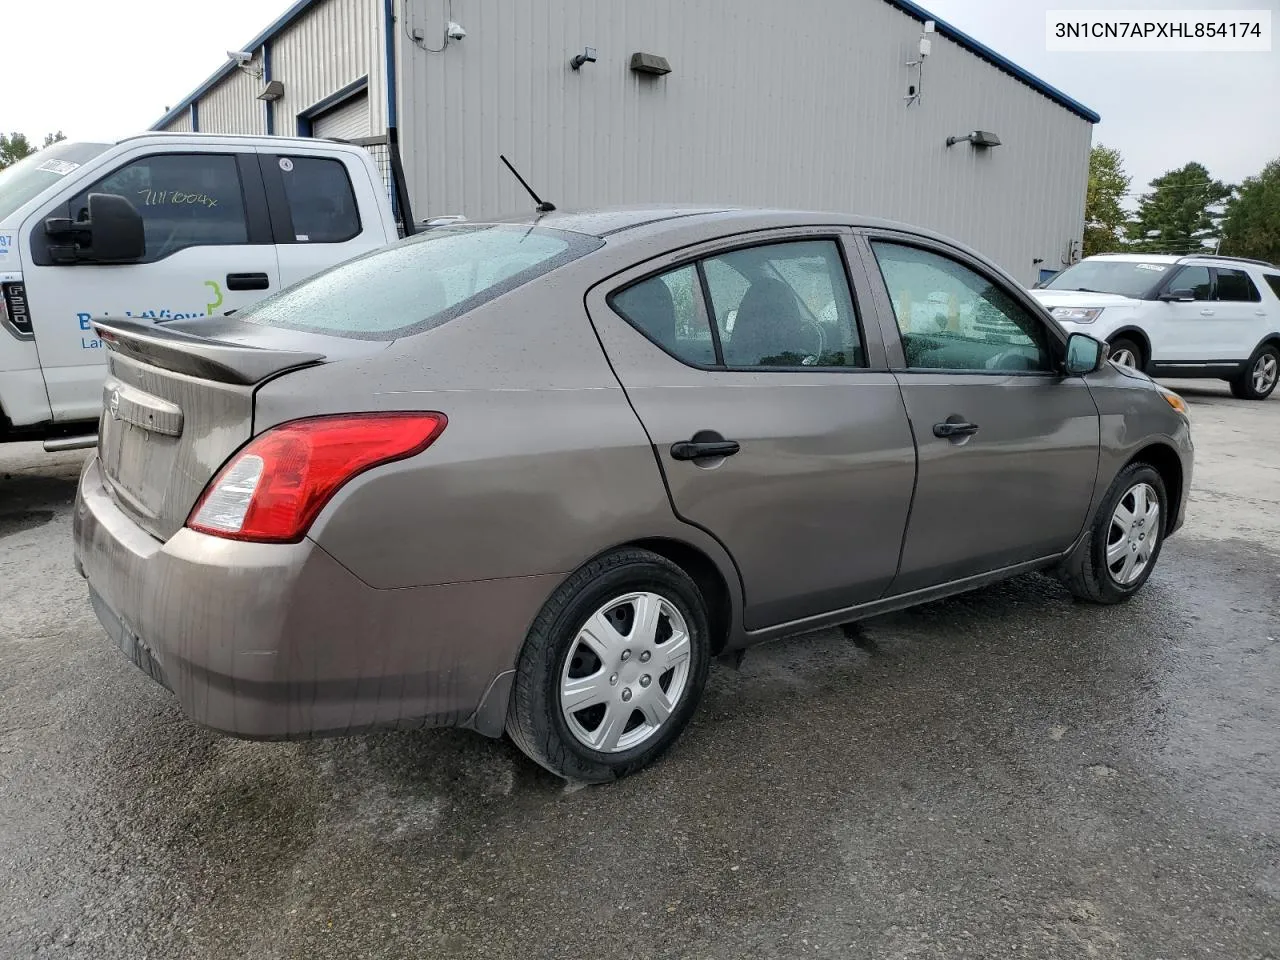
point(1077, 314)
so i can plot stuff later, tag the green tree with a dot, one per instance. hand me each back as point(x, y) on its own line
point(13, 147)
point(1251, 227)
point(1177, 216)
point(1104, 217)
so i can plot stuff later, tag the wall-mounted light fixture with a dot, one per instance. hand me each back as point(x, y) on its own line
point(274, 90)
point(650, 63)
point(979, 138)
point(586, 56)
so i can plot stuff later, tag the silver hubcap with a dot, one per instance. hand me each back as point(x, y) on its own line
point(1124, 356)
point(1264, 373)
point(1134, 533)
point(626, 671)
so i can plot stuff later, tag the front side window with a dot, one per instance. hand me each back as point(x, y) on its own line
point(421, 282)
point(185, 200)
point(1193, 280)
point(952, 318)
point(321, 202)
point(784, 305)
point(1236, 285)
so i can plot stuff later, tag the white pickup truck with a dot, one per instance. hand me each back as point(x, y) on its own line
point(163, 227)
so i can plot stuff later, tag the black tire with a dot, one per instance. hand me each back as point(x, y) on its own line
point(534, 719)
point(1120, 344)
point(1085, 572)
point(1242, 386)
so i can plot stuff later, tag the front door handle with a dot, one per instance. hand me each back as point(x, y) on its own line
point(248, 281)
point(949, 429)
point(703, 449)
point(1206, 313)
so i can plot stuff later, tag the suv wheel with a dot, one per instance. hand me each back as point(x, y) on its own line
point(612, 668)
point(1259, 376)
point(1127, 353)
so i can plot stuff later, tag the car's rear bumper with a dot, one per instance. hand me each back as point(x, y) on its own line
point(280, 641)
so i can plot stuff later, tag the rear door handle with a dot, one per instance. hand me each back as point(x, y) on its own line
point(948, 429)
point(700, 449)
point(248, 281)
point(1206, 313)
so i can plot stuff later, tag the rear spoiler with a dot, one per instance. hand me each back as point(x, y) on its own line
point(196, 356)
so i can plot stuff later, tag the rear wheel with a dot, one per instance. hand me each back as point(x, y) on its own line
point(1113, 562)
point(1260, 375)
point(612, 668)
point(1127, 353)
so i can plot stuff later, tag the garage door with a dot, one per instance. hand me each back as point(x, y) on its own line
point(349, 120)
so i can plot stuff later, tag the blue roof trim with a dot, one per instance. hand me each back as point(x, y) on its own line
point(286, 18)
point(996, 60)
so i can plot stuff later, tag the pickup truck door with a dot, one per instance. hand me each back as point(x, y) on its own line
point(209, 250)
point(324, 209)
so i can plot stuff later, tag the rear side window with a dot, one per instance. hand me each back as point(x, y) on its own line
point(421, 282)
point(668, 310)
point(784, 305)
point(322, 204)
point(1236, 285)
point(185, 200)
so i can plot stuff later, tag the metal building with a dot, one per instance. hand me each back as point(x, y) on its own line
point(823, 104)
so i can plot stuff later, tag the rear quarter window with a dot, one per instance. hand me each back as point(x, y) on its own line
point(421, 282)
point(1273, 281)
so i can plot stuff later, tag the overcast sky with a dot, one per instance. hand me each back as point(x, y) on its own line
point(106, 68)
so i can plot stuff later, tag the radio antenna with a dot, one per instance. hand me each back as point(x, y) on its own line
point(543, 206)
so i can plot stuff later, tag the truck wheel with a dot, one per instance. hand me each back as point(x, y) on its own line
point(1259, 376)
point(1123, 543)
point(612, 669)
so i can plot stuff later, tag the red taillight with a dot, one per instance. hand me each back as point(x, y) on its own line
point(272, 490)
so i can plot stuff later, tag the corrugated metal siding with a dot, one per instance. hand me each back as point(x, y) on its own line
point(330, 47)
point(233, 105)
point(766, 104)
point(348, 121)
point(181, 123)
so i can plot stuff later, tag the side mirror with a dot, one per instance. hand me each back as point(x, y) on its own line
point(112, 233)
point(1084, 354)
point(1177, 296)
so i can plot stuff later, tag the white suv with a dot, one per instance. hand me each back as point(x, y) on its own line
point(1194, 316)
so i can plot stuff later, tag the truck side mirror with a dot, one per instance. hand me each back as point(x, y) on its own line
point(112, 233)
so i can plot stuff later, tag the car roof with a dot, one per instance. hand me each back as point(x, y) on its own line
point(1139, 257)
point(613, 221)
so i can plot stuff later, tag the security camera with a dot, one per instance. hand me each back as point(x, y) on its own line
point(455, 31)
point(241, 57)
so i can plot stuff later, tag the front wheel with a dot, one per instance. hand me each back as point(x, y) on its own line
point(612, 668)
point(1260, 375)
point(1126, 353)
point(1123, 543)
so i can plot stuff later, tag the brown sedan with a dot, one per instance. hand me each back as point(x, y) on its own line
point(533, 476)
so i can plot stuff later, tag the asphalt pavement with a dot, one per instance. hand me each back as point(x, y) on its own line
point(1004, 774)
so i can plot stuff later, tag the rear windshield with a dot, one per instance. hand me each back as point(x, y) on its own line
point(1128, 278)
point(421, 282)
point(32, 175)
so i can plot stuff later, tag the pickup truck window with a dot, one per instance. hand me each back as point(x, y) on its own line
point(185, 200)
point(422, 282)
point(322, 204)
point(31, 176)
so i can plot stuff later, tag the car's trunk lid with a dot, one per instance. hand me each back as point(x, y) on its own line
point(178, 401)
